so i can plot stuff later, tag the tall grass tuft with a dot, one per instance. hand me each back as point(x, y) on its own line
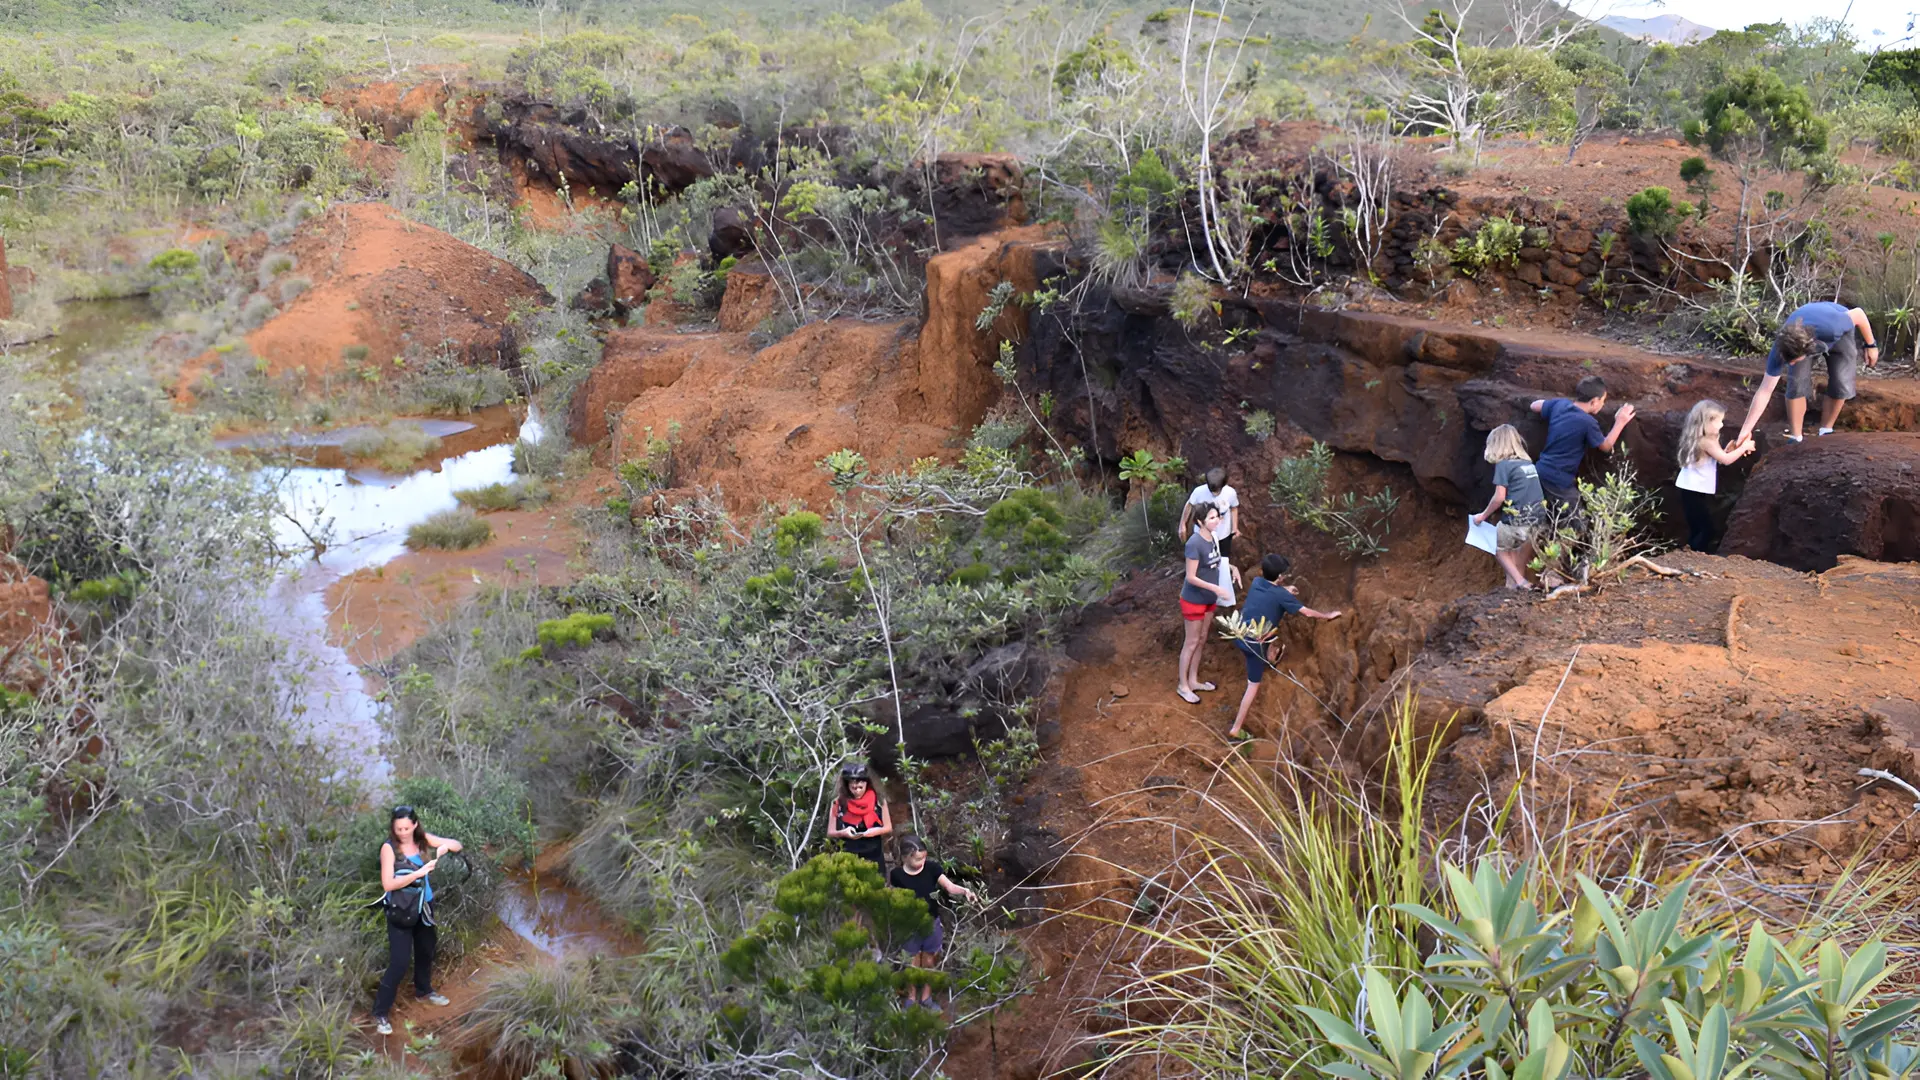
point(1285, 904)
point(393, 446)
point(524, 493)
point(547, 1019)
point(450, 530)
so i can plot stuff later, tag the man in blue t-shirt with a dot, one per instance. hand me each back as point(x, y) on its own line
point(1571, 432)
point(1834, 331)
point(1268, 599)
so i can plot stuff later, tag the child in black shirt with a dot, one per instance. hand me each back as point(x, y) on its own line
point(925, 879)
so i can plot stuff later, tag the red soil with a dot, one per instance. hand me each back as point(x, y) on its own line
point(394, 287)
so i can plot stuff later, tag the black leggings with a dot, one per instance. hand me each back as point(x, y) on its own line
point(404, 945)
point(1698, 508)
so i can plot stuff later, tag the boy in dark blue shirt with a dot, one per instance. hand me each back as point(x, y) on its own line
point(1268, 599)
point(1834, 331)
point(1571, 431)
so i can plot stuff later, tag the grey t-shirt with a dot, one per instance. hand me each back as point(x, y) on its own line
point(1522, 482)
point(1207, 550)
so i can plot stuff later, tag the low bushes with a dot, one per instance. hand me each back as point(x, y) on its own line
point(522, 494)
point(450, 530)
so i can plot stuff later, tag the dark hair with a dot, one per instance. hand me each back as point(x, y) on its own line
point(910, 844)
point(1216, 478)
point(1200, 511)
point(408, 813)
point(1796, 341)
point(1275, 565)
point(1593, 386)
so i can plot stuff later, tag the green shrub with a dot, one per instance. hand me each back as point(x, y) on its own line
point(450, 530)
point(1498, 240)
point(579, 628)
point(393, 446)
point(175, 261)
point(1652, 212)
point(800, 529)
point(521, 494)
point(1358, 525)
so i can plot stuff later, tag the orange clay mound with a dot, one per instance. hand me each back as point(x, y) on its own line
point(755, 423)
point(390, 287)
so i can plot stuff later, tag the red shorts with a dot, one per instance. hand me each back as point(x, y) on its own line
point(1193, 612)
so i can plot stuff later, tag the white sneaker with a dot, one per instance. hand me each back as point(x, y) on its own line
point(382, 1025)
point(1825, 431)
point(436, 999)
point(1791, 437)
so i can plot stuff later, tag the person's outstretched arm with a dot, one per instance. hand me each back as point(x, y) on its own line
point(1312, 614)
point(1761, 398)
point(1621, 418)
point(1860, 323)
point(1186, 515)
point(1727, 456)
point(953, 889)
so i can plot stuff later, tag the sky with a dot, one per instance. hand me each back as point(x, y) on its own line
point(1877, 22)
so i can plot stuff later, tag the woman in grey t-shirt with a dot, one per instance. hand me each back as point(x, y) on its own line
point(1199, 592)
point(1516, 489)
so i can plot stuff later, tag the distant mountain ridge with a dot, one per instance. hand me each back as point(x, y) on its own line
point(1672, 29)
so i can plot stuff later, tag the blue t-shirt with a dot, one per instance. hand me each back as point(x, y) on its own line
point(1571, 432)
point(1268, 601)
point(1829, 322)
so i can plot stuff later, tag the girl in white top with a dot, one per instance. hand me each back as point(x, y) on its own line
point(1700, 459)
point(1217, 492)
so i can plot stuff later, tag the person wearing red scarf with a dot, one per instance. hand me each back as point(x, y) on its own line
point(860, 819)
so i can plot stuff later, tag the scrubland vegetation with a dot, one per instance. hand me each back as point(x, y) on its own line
point(179, 845)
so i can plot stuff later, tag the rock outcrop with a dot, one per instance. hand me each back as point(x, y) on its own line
point(1806, 506)
point(1400, 389)
point(571, 149)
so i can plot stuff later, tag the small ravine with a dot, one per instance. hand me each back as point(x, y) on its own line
point(363, 516)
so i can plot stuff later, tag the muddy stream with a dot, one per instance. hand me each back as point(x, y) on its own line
point(360, 516)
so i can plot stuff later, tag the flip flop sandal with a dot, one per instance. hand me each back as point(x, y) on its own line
point(1204, 686)
point(1188, 696)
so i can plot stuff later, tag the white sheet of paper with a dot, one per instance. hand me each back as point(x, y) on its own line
point(1481, 535)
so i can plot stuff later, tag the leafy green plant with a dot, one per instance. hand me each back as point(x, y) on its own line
point(1148, 470)
point(1611, 527)
point(1611, 985)
point(1652, 212)
point(450, 530)
point(1497, 241)
point(1259, 424)
point(1359, 525)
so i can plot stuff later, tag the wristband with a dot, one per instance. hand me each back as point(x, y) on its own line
point(1871, 345)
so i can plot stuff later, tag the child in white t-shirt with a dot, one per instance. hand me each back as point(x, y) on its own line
point(1701, 456)
point(1216, 492)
